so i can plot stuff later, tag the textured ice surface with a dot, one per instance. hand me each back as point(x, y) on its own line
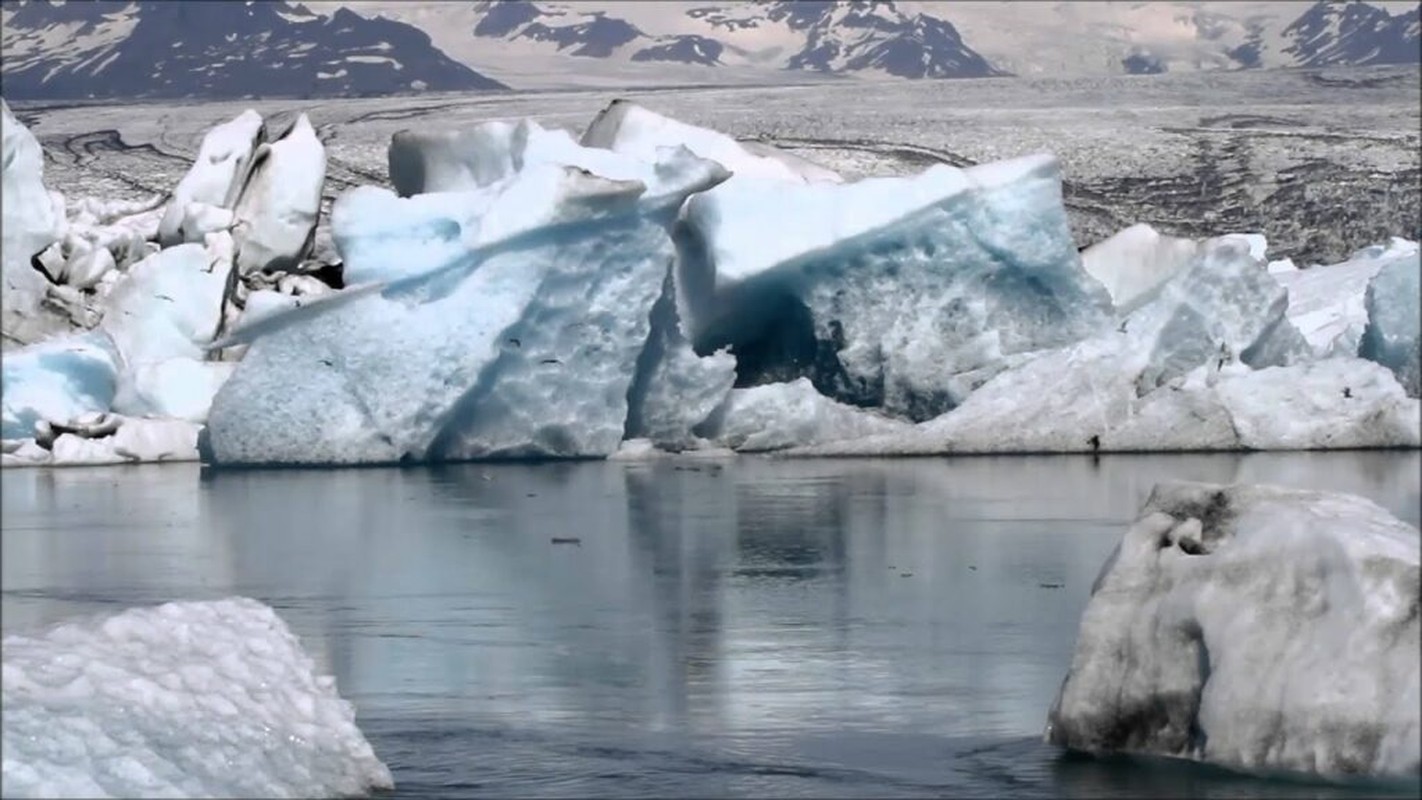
point(1393, 336)
point(1210, 363)
point(28, 224)
point(58, 380)
point(483, 185)
point(1326, 304)
point(526, 347)
point(278, 200)
point(674, 389)
point(192, 699)
point(1253, 627)
point(222, 161)
point(776, 416)
point(1136, 260)
point(626, 127)
point(903, 294)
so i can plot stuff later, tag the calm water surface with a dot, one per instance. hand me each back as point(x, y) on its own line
point(723, 628)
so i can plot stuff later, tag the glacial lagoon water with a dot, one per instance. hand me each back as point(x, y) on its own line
point(747, 627)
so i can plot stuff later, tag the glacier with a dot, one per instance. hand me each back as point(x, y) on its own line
point(519, 292)
point(1253, 627)
point(187, 699)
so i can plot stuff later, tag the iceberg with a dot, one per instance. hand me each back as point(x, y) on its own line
point(625, 127)
point(29, 223)
point(1211, 363)
point(278, 200)
point(902, 294)
point(187, 699)
point(523, 347)
point(1393, 336)
point(222, 160)
point(1256, 628)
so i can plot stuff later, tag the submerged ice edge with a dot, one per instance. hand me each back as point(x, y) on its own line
point(767, 305)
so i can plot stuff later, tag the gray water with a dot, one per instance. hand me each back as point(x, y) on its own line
point(722, 628)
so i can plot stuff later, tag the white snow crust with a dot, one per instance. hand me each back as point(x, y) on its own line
point(187, 699)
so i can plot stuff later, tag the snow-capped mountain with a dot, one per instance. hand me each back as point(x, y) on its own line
point(172, 49)
point(1332, 34)
point(862, 36)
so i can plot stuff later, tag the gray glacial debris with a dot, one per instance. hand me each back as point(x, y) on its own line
point(901, 294)
point(1393, 336)
point(1256, 628)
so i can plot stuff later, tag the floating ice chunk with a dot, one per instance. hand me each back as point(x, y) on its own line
point(57, 380)
point(777, 416)
point(626, 127)
point(1253, 627)
point(523, 348)
point(674, 390)
point(222, 161)
point(1281, 266)
point(28, 224)
point(1257, 244)
point(1393, 336)
point(1135, 260)
point(278, 201)
point(194, 699)
point(903, 294)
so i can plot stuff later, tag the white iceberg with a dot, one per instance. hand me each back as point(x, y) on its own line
point(525, 347)
point(278, 200)
point(191, 699)
point(222, 161)
point(625, 127)
point(777, 416)
point(903, 294)
point(29, 223)
point(1393, 336)
point(1253, 627)
point(1136, 260)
